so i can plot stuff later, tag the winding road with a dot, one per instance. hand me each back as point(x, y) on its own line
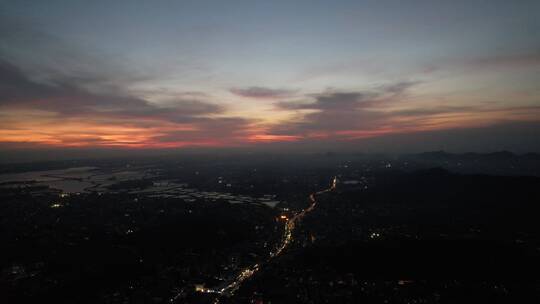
point(231, 286)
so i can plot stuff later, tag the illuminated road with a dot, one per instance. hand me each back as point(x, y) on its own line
point(230, 287)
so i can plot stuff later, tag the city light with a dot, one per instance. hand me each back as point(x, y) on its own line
point(230, 288)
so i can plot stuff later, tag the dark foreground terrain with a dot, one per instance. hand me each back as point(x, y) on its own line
point(424, 237)
point(431, 228)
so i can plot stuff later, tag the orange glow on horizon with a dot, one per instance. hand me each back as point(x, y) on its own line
point(43, 129)
point(273, 138)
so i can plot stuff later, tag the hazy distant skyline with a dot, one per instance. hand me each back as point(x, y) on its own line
point(457, 75)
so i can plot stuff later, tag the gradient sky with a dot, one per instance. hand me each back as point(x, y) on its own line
point(167, 74)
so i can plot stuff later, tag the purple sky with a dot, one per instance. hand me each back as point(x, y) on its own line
point(355, 75)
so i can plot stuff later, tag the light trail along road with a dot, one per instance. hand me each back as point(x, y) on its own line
point(228, 288)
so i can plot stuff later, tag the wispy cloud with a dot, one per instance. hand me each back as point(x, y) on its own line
point(262, 92)
point(108, 119)
point(529, 59)
point(335, 115)
point(56, 93)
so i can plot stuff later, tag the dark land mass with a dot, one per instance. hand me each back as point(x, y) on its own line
point(429, 236)
point(431, 228)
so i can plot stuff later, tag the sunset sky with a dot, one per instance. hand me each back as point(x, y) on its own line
point(168, 74)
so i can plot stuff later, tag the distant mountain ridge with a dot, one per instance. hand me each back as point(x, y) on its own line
point(495, 156)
